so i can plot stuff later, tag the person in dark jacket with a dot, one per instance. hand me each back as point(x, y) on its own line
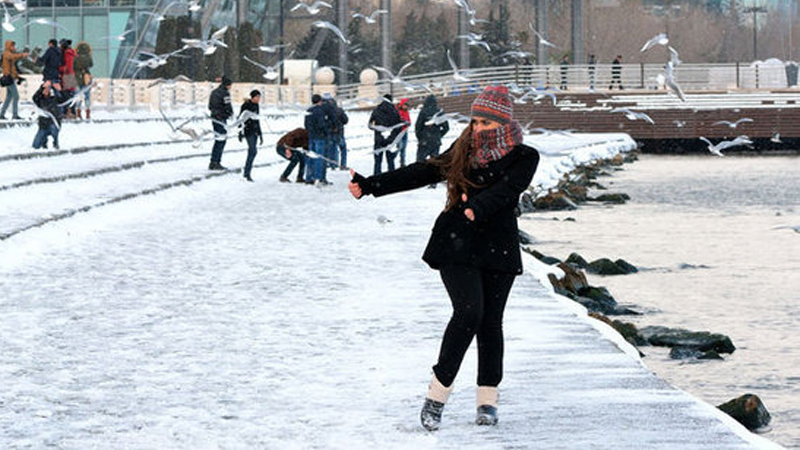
point(289, 146)
point(47, 100)
point(251, 130)
point(616, 73)
point(338, 145)
point(51, 61)
point(219, 103)
point(318, 125)
point(474, 243)
point(429, 137)
point(384, 121)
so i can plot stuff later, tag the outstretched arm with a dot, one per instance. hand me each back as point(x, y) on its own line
point(407, 178)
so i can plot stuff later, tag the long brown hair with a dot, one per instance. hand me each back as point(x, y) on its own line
point(456, 168)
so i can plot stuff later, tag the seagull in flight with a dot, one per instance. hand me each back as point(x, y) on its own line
point(659, 39)
point(673, 56)
point(441, 117)
point(669, 81)
point(209, 46)
point(392, 77)
point(542, 40)
point(170, 81)
point(313, 8)
point(470, 12)
point(476, 40)
point(8, 21)
point(270, 48)
point(732, 124)
point(372, 18)
point(19, 5)
point(776, 138)
point(717, 149)
point(119, 37)
point(270, 72)
point(182, 128)
point(47, 22)
point(332, 27)
point(458, 75)
point(633, 115)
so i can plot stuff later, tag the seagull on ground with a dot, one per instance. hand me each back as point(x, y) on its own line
point(270, 72)
point(313, 8)
point(659, 39)
point(332, 27)
point(717, 149)
point(633, 115)
point(795, 228)
point(732, 124)
point(372, 18)
point(383, 220)
point(542, 40)
point(776, 138)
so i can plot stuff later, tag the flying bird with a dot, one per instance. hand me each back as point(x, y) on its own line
point(119, 37)
point(633, 115)
point(470, 12)
point(383, 220)
point(170, 81)
point(669, 81)
point(8, 21)
point(183, 128)
point(717, 149)
point(542, 40)
point(673, 56)
point(47, 22)
point(732, 124)
point(458, 75)
point(270, 48)
point(313, 8)
point(332, 27)
point(659, 39)
point(475, 39)
point(392, 77)
point(270, 72)
point(372, 18)
point(209, 46)
point(776, 138)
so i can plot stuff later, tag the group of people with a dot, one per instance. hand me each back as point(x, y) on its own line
point(616, 71)
point(66, 72)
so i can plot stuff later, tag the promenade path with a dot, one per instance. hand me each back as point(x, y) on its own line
point(234, 315)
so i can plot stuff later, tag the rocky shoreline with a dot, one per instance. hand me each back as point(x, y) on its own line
point(572, 191)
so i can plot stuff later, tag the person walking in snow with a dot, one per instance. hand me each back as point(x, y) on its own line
point(429, 136)
point(385, 121)
point(616, 73)
point(10, 78)
point(474, 243)
point(405, 115)
point(69, 82)
point(251, 131)
point(219, 103)
point(289, 146)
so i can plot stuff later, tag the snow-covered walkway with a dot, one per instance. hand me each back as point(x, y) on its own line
point(265, 315)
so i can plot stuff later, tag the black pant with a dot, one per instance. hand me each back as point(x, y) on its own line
point(220, 137)
point(252, 150)
point(479, 298)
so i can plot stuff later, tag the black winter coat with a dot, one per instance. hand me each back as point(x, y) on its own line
point(430, 136)
point(219, 103)
point(492, 240)
point(317, 122)
point(49, 104)
point(51, 60)
point(385, 115)
point(252, 127)
point(340, 120)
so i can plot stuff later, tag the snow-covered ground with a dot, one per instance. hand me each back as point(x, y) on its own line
point(217, 313)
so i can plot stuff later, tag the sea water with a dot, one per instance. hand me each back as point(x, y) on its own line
point(714, 243)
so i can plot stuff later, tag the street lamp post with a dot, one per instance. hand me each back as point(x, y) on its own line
point(755, 10)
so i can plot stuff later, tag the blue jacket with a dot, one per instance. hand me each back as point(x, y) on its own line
point(317, 122)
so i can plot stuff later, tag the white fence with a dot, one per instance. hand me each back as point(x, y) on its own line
point(114, 93)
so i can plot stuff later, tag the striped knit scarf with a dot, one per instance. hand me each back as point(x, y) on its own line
point(491, 145)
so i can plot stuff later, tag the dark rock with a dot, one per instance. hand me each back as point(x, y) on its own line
point(626, 266)
point(577, 260)
point(616, 198)
point(550, 260)
point(605, 266)
point(598, 293)
point(617, 160)
point(557, 201)
point(576, 192)
point(525, 238)
point(569, 219)
point(680, 352)
point(747, 410)
point(626, 329)
point(700, 340)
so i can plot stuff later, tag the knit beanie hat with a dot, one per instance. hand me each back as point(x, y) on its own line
point(493, 103)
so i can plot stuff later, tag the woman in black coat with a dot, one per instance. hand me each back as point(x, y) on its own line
point(474, 243)
point(251, 130)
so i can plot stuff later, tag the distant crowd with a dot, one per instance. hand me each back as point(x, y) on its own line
point(320, 144)
point(66, 87)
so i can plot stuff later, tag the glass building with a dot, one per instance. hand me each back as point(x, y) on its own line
point(100, 22)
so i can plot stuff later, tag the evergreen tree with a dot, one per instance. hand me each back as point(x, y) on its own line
point(424, 42)
point(498, 35)
point(232, 60)
point(249, 38)
point(363, 51)
point(166, 41)
point(214, 64)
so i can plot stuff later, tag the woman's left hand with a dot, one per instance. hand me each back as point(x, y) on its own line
point(468, 212)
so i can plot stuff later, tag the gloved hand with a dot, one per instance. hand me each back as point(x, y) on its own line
point(260, 139)
point(241, 136)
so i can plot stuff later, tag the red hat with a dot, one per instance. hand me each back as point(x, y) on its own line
point(494, 103)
